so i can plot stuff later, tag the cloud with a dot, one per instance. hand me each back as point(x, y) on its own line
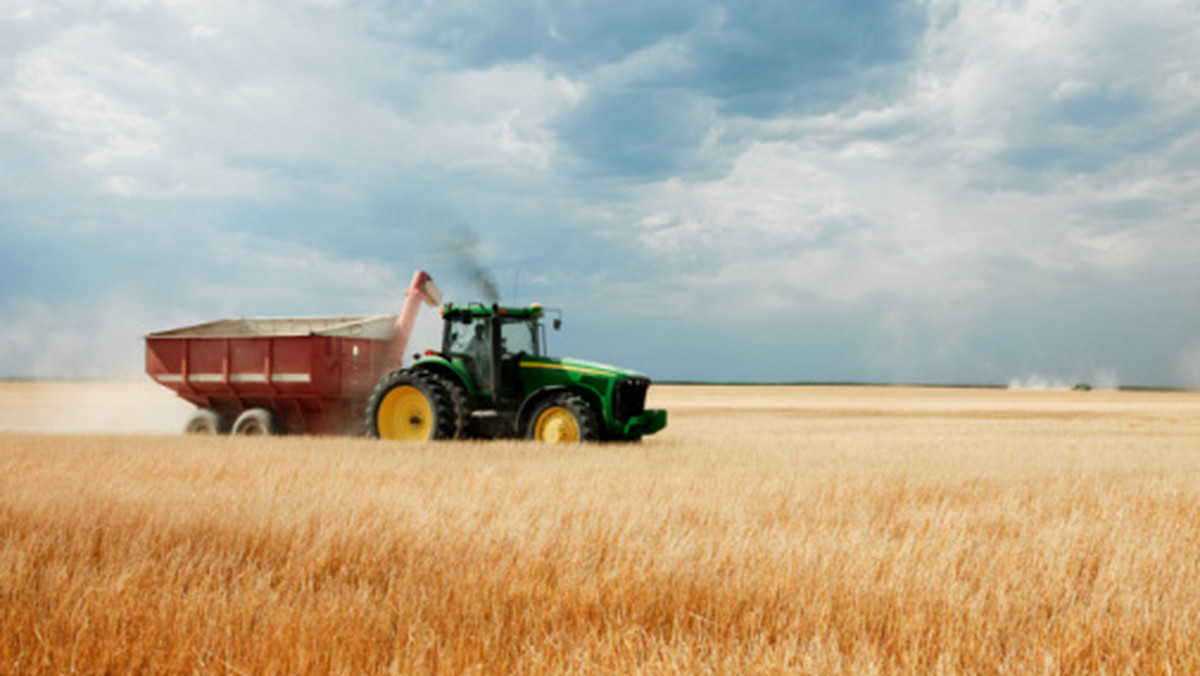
point(928, 179)
point(659, 109)
point(77, 333)
point(1052, 87)
point(950, 189)
point(1015, 167)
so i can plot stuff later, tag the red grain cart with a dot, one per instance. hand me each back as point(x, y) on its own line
point(288, 375)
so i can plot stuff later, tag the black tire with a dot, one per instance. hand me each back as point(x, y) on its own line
point(410, 405)
point(460, 404)
point(256, 422)
point(206, 421)
point(563, 417)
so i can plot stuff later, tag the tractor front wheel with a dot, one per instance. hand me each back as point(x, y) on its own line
point(564, 418)
point(410, 406)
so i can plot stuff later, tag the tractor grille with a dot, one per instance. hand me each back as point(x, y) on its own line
point(630, 397)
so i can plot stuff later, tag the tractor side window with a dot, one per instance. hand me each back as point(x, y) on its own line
point(517, 336)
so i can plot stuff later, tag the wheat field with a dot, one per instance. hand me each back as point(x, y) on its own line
point(766, 530)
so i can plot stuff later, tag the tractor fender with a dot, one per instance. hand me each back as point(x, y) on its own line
point(441, 368)
point(446, 369)
point(531, 402)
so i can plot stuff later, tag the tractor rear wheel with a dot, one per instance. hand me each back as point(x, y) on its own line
point(460, 405)
point(410, 405)
point(564, 418)
point(256, 422)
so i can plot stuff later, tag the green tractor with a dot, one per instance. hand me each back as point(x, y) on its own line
point(491, 380)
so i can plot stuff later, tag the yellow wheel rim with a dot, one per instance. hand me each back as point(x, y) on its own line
point(404, 415)
point(556, 425)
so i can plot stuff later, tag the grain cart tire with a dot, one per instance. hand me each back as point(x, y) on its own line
point(256, 422)
point(206, 421)
point(410, 405)
point(563, 418)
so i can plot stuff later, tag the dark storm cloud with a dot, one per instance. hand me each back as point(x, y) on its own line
point(755, 55)
point(646, 132)
point(656, 74)
point(773, 57)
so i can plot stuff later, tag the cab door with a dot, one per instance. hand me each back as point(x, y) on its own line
point(469, 339)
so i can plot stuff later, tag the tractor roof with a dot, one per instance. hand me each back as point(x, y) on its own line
point(481, 310)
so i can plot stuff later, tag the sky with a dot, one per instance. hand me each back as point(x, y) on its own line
point(911, 191)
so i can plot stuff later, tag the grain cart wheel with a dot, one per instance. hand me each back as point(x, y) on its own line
point(206, 421)
point(256, 422)
point(410, 406)
point(564, 418)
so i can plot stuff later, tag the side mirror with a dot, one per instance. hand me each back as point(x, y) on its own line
point(557, 323)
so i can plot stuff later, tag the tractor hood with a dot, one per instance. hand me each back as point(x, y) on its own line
point(618, 395)
point(580, 366)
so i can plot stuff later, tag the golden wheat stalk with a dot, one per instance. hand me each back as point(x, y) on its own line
point(769, 531)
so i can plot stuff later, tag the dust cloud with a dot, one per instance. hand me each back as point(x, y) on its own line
point(90, 407)
point(1100, 379)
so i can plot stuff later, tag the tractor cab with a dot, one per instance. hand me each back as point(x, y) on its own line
point(490, 341)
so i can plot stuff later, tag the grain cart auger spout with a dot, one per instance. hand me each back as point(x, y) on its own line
point(296, 375)
point(492, 379)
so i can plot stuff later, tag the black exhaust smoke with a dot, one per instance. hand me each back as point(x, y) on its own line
point(464, 248)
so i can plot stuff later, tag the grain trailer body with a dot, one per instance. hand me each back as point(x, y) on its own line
point(312, 374)
point(294, 375)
